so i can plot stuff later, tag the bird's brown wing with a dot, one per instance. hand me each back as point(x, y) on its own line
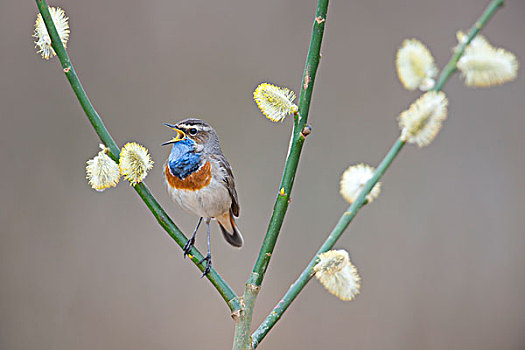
point(229, 181)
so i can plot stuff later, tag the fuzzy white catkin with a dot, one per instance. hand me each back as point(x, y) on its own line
point(135, 162)
point(337, 274)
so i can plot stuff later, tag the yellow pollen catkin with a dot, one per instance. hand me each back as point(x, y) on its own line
point(274, 102)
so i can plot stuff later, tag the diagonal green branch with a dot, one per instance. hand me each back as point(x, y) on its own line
point(143, 191)
point(451, 66)
point(352, 211)
point(338, 230)
point(297, 141)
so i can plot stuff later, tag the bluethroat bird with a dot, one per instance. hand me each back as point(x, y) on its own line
point(200, 180)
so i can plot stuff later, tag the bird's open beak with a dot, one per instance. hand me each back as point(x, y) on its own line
point(180, 135)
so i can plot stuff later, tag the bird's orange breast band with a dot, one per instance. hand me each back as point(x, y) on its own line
point(199, 179)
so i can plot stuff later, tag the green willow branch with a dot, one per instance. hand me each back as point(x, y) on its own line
point(243, 317)
point(352, 211)
point(451, 66)
point(338, 230)
point(143, 191)
point(297, 141)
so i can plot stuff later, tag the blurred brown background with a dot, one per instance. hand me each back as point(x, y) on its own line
point(440, 252)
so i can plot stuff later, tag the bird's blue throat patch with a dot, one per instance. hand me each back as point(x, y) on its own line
point(183, 160)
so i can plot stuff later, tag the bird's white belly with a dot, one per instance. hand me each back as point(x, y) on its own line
point(208, 202)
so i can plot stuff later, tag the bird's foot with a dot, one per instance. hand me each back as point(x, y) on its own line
point(188, 246)
point(207, 258)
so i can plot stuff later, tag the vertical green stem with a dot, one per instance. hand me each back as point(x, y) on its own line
point(143, 191)
point(292, 161)
point(243, 318)
point(351, 212)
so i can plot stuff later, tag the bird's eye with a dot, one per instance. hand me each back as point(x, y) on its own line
point(192, 131)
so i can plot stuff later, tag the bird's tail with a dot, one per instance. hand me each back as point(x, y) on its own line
point(229, 229)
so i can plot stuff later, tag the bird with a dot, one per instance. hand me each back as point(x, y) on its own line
point(200, 180)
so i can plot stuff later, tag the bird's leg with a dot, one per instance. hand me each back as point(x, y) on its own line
point(207, 258)
point(189, 244)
